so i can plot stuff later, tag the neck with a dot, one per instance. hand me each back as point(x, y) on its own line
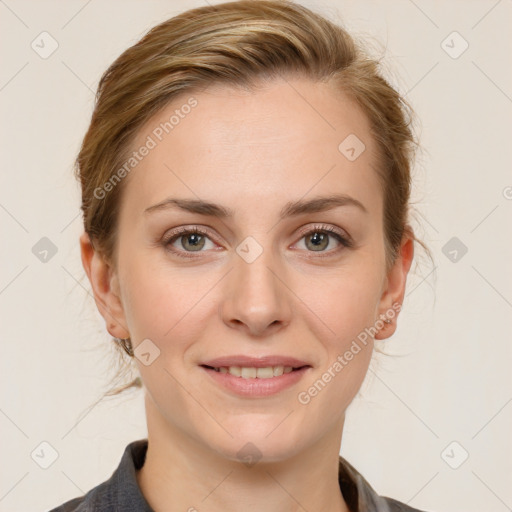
point(181, 470)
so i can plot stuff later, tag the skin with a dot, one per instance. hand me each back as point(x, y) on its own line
point(252, 152)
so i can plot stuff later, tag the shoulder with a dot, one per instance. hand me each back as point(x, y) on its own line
point(398, 506)
point(120, 491)
point(360, 495)
point(69, 506)
point(98, 498)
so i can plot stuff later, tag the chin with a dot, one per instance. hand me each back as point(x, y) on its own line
point(251, 445)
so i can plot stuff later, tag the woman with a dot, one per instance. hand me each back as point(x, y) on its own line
point(245, 190)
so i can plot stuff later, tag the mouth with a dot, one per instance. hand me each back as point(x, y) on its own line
point(255, 382)
point(252, 372)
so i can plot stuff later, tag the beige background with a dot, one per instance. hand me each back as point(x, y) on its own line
point(453, 382)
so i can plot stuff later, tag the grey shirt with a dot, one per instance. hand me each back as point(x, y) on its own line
point(121, 492)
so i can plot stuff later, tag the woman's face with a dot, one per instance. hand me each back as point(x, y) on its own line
point(254, 282)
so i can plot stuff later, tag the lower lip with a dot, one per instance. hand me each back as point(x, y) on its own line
point(255, 387)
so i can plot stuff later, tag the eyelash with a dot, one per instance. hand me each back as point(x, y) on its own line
point(320, 228)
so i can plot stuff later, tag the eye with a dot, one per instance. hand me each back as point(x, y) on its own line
point(185, 241)
point(317, 239)
point(190, 239)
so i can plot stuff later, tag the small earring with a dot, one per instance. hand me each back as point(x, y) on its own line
point(385, 320)
point(125, 344)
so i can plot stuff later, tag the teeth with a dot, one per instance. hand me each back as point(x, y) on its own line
point(251, 372)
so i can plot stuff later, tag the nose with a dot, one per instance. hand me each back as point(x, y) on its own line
point(256, 297)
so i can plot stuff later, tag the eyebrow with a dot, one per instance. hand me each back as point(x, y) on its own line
point(290, 209)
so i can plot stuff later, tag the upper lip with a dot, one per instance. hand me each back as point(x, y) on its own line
point(256, 362)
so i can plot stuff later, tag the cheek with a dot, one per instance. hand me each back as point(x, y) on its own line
point(165, 304)
point(340, 313)
point(340, 305)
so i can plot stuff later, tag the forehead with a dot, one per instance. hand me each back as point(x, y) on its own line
point(280, 142)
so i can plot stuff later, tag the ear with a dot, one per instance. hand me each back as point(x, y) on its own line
point(105, 288)
point(394, 289)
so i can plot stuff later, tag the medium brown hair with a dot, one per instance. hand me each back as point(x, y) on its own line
point(239, 44)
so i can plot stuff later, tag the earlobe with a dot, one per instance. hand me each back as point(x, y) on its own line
point(105, 291)
point(393, 296)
